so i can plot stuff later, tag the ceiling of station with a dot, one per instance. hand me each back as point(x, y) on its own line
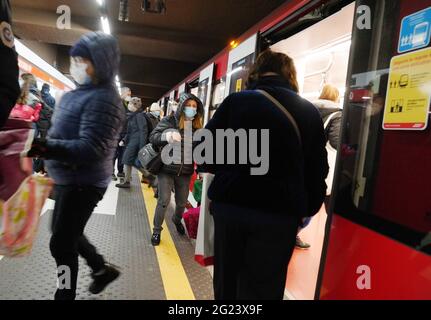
point(158, 50)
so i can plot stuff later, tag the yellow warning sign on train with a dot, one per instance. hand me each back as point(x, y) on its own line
point(409, 91)
point(238, 85)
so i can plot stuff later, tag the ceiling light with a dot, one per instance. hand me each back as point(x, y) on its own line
point(100, 2)
point(105, 25)
point(123, 14)
point(37, 61)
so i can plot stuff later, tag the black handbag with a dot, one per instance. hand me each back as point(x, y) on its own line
point(150, 159)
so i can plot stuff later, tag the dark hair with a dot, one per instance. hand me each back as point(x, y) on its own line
point(276, 62)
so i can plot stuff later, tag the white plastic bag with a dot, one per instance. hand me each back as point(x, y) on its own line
point(204, 251)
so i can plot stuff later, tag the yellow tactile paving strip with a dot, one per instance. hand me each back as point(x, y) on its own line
point(175, 281)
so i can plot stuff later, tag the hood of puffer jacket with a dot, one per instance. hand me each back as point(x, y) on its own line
point(326, 107)
point(105, 55)
point(183, 99)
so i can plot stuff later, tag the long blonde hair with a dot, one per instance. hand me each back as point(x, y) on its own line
point(197, 122)
point(329, 92)
point(29, 82)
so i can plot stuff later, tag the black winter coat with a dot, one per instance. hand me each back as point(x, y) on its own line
point(332, 132)
point(44, 122)
point(295, 181)
point(136, 137)
point(9, 86)
point(171, 123)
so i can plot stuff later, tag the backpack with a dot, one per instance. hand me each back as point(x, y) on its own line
point(152, 123)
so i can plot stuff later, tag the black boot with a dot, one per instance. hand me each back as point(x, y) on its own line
point(124, 185)
point(155, 239)
point(103, 278)
point(180, 228)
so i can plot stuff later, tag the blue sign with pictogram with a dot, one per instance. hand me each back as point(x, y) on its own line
point(415, 31)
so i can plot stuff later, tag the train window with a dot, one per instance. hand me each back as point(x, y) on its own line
point(218, 94)
point(383, 177)
point(240, 72)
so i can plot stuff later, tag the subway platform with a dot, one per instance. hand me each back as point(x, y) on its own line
point(120, 228)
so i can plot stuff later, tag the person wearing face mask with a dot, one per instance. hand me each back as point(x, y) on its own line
point(79, 151)
point(177, 175)
point(135, 139)
point(46, 95)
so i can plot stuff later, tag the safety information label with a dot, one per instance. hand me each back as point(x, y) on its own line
point(409, 90)
point(415, 31)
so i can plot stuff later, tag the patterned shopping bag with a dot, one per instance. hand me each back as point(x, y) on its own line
point(20, 214)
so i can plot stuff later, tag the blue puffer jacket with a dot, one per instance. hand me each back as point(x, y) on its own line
point(87, 122)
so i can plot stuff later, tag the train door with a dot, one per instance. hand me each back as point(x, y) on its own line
point(378, 242)
point(320, 50)
point(205, 88)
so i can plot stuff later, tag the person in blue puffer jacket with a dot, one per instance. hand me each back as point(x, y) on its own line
point(79, 150)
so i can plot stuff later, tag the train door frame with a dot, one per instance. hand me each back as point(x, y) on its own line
point(286, 28)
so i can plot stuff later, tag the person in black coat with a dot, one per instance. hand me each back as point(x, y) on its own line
point(329, 104)
point(135, 139)
point(257, 216)
point(176, 175)
point(9, 85)
point(46, 95)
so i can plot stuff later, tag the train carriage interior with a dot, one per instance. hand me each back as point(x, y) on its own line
point(373, 227)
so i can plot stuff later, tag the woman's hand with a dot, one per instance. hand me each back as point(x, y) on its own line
point(173, 136)
point(26, 165)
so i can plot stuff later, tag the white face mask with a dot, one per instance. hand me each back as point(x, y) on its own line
point(132, 108)
point(78, 71)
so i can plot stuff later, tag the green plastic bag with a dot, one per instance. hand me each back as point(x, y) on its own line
point(197, 190)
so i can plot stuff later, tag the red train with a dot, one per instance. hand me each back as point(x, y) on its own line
point(375, 241)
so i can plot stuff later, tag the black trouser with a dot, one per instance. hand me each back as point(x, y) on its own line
point(73, 208)
point(119, 156)
point(252, 252)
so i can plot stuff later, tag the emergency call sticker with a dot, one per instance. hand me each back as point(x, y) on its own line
point(409, 91)
point(6, 34)
point(415, 31)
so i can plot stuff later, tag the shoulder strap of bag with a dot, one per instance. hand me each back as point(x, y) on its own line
point(331, 116)
point(284, 110)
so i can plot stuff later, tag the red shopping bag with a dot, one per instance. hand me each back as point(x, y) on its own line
point(26, 112)
point(15, 141)
point(191, 220)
